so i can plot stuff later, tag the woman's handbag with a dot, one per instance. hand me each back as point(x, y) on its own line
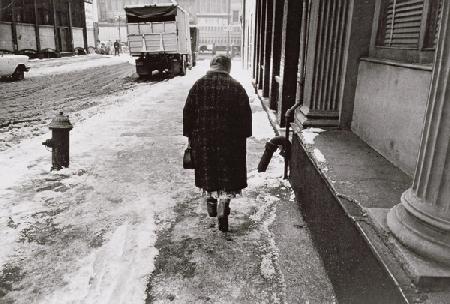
point(188, 160)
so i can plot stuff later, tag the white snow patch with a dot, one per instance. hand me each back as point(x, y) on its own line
point(116, 273)
point(260, 214)
point(261, 127)
point(267, 214)
point(267, 269)
point(318, 156)
point(252, 97)
point(292, 196)
point(310, 134)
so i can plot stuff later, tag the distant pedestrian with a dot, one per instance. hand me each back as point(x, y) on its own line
point(116, 48)
point(217, 120)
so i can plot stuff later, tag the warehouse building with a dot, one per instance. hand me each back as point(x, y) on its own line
point(45, 27)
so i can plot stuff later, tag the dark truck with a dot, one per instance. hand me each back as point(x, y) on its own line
point(159, 36)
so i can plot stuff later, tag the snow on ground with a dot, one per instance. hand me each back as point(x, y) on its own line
point(76, 63)
point(87, 234)
point(261, 128)
point(308, 135)
point(318, 155)
point(257, 181)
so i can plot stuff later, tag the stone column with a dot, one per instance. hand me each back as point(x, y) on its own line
point(277, 28)
point(262, 39)
point(267, 48)
point(338, 36)
point(290, 46)
point(256, 40)
point(326, 47)
point(302, 54)
point(422, 220)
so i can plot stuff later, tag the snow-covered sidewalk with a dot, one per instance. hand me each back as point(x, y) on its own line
point(93, 233)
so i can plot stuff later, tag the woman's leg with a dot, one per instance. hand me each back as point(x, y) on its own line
point(211, 206)
point(223, 211)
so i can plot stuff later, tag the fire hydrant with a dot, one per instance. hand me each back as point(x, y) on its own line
point(60, 127)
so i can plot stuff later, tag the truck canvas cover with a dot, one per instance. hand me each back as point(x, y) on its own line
point(151, 13)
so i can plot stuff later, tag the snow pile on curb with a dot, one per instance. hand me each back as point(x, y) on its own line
point(308, 135)
point(318, 155)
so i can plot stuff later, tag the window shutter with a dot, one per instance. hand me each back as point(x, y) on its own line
point(436, 26)
point(402, 23)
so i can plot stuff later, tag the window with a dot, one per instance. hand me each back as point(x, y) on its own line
point(235, 17)
point(45, 15)
point(407, 30)
point(5, 11)
point(23, 11)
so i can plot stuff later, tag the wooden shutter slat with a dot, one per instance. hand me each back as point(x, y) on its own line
point(411, 25)
point(402, 23)
point(405, 30)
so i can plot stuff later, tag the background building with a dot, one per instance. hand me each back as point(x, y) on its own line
point(34, 27)
point(218, 21)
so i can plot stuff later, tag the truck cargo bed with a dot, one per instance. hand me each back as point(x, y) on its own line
point(159, 36)
point(158, 28)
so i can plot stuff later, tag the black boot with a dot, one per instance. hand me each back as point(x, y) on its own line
point(223, 210)
point(211, 207)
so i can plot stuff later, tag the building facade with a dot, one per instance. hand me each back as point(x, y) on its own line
point(48, 26)
point(111, 10)
point(218, 21)
point(373, 74)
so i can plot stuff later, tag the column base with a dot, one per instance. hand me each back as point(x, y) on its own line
point(419, 234)
point(308, 118)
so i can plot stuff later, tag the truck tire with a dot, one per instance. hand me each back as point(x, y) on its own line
point(19, 74)
point(183, 67)
point(172, 72)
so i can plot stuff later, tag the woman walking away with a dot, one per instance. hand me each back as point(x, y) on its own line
point(217, 120)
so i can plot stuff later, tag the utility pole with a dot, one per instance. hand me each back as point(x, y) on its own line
point(244, 38)
point(119, 28)
point(228, 28)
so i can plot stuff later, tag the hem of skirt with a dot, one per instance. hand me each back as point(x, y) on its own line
point(221, 194)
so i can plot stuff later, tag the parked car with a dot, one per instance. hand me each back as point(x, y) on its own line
point(13, 66)
point(104, 48)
